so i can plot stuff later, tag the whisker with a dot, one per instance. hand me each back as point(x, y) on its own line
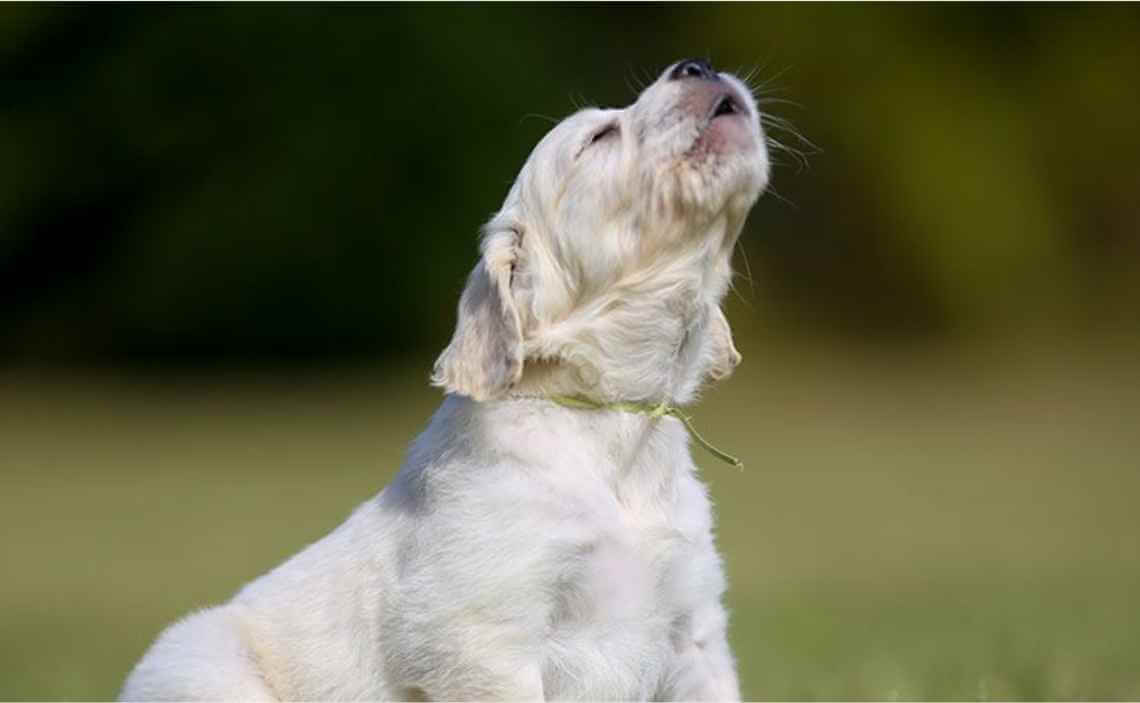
point(781, 198)
point(638, 85)
point(631, 87)
point(798, 156)
point(755, 72)
point(735, 292)
point(800, 147)
point(580, 101)
point(537, 116)
point(747, 267)
point(777, 162)
point(746, 78)
point(764, 85)
point(648, 77)
point(778, 101)
point(783, 125)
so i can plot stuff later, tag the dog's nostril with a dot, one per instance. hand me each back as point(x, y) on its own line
point(726, 106)
point(693, 68)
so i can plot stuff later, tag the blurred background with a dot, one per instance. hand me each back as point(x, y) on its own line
point(232, 238)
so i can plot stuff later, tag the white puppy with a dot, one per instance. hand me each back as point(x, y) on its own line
point(547, 536)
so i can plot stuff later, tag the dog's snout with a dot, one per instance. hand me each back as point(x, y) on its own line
point(693, 68)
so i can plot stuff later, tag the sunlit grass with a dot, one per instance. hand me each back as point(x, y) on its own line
point(924, 527)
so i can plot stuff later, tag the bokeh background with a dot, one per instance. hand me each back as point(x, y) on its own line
point(232, 238)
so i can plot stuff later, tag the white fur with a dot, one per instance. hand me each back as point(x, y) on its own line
point(528, 550)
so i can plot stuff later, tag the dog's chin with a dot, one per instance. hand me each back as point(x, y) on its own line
point(726, 167)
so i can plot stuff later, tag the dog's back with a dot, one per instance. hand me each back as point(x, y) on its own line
point(304, 631)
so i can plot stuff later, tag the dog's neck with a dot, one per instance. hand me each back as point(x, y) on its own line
point(648, 357)
point(654, 335)
point(625, 448)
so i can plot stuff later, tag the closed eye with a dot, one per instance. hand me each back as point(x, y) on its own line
point(608, 130)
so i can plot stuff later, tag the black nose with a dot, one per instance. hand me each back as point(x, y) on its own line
point(693, 68)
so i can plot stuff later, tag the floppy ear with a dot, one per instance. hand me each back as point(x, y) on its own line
point(722, 353)
point(485, 356)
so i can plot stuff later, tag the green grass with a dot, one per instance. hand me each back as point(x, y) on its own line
point(957, 526)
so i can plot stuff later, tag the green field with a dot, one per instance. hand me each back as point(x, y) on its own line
point(920, 526)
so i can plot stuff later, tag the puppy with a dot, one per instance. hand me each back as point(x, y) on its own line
point(547, 536)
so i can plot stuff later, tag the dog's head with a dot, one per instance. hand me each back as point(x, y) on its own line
point(603, 272)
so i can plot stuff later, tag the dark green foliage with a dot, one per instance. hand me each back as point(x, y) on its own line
point(199, 182)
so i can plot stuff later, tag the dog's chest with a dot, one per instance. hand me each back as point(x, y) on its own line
point(624, 610)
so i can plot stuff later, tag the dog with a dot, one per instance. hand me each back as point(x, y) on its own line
point(547, 536)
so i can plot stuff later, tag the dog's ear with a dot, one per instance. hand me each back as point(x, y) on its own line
point(722, 354)
point(485, 356)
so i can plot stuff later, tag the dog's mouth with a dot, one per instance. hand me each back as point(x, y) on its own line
point(725, 128)
point(727, 105)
